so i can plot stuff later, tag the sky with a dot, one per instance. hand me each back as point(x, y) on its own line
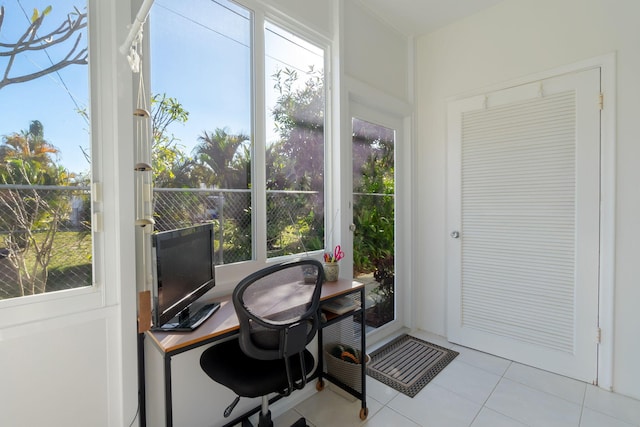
point(207, 72)
point(199, 54)
point(53, 99)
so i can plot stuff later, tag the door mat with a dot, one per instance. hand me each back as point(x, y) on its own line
point(407, 364)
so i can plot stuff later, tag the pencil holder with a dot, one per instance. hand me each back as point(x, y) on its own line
point(331, 271)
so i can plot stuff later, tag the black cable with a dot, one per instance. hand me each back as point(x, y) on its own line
point(135, 416)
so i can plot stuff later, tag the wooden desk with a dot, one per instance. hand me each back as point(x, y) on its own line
point(224, 323)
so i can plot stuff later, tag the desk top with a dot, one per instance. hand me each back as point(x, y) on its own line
point(224, 320)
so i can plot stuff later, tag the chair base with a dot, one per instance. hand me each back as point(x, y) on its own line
point(264, 420)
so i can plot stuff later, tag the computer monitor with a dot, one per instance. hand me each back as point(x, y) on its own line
point(183, 272)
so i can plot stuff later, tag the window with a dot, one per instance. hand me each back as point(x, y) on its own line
point(45, 213)
point(243, 152)
point(203, 125)
point(295, 101)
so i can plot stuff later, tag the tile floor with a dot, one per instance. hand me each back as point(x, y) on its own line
point(477, 390)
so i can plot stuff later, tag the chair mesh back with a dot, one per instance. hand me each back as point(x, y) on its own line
point(278, 309)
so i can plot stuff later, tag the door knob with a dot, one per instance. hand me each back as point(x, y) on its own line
point(455, 234)
point(352, 227)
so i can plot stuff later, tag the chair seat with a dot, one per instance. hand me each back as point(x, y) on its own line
point(227, 364)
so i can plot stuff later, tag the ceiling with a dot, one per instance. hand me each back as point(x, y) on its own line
point(418, 17)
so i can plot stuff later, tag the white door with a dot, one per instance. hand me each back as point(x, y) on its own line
point(523, 217)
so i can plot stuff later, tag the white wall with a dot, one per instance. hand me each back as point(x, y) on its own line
point(56, 376)
point(316, 15)
point(374, 53)
point(509, 41)
point(376, 86)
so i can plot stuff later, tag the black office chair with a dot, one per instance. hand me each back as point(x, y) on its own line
point(279, 312)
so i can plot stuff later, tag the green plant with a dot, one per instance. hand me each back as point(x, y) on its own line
point(384, 309)
point(374, 236)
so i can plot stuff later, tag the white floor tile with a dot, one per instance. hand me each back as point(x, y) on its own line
point(326, 408)
point(488, 362)
point(388, 417)
point(489, 418)
point(591, 418)
point(379, 391)
point(533, 407)
point(615, 405)
point(475, 390)
point(472, 383)
point(436, 406)
point(566, 388)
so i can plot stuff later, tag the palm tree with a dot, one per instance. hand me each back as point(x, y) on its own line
point(30, 149)
point(222, 154)
point(29, 145)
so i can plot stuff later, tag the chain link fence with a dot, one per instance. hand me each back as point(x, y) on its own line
point(228, 210)
point(45, 239)
point(45, 231)
point(295, 222)
point(295, 219)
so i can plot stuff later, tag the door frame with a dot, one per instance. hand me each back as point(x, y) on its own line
point(606, 64)
point(370, 104)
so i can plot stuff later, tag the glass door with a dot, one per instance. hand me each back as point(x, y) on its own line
point(373, 148)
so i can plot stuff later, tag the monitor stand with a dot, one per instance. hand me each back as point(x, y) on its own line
point(188, 322)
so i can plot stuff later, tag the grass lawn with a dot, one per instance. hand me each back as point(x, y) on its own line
point(69, 267)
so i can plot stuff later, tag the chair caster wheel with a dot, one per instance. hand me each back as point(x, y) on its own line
point(364, 412)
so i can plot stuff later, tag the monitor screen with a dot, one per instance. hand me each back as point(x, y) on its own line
point(184, 269)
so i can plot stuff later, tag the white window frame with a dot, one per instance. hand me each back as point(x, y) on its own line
point(103, 99)
point(228, 275)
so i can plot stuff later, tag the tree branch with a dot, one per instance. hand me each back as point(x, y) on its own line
point(64, 31)
point(30, 41)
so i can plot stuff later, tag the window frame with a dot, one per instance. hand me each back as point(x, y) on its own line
point(229, 274)
point(261, 17)
point(39, 307)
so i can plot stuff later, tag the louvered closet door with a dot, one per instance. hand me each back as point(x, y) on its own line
point(523, 173)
